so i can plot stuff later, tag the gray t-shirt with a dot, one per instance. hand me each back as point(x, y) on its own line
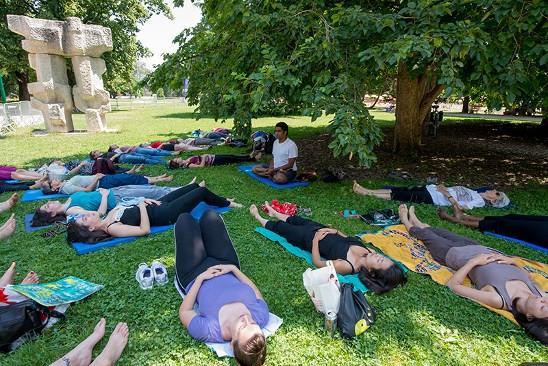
point(75, 184)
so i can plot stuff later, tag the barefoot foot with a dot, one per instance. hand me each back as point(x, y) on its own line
point(7, 277)
point(115, 346)
point(30, 279)
point(202, 183)
point(81, 354)
point(8, 228)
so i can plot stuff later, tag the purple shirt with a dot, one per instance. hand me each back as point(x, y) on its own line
point(215, 293)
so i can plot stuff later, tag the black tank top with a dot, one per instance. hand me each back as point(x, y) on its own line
point(334, 247)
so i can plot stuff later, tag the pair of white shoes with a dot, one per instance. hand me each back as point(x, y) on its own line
point(146, 276)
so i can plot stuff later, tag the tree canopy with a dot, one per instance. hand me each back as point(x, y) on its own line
point(249, 58)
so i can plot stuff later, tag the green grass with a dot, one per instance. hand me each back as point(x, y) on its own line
point(420, 324)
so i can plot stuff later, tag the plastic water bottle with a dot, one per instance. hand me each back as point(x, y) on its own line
point(331, 323)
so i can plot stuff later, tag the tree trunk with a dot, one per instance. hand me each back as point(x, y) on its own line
point(414, 97)
point(466, 104)
point(22, 81)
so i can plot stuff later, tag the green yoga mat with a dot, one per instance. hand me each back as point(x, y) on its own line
point(307, 256)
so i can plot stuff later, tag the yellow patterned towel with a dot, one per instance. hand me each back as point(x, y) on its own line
point(396, 242)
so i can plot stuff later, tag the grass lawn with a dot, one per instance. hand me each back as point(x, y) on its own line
point(420, 324)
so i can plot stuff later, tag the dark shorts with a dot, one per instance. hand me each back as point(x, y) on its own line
point(168, 147)
point(411, 194)
point(289, 174)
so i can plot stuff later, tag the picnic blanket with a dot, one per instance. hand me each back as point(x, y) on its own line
point(307, 256)
point(396, 242)
point(248, 169)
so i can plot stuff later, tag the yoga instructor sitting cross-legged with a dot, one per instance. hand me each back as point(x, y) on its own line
point(283, 166)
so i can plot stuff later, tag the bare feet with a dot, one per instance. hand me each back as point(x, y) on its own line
point(233, 203)
point(167, 178)
point(30, 279)
point(270, 211)
point(358, 188)
point(192, 181)
point(115, 346)
point(81, 354)
point(8, 228)
point(9, 203)
point(443, 214)
point(404, 216)
point(414, 219)
point(7, 277)
point(202, 183)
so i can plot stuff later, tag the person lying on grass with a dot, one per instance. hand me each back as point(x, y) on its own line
point(530, 228)
point(81, 355)
point(88, 183)
point(200, 161)
point(137, 150)
point(283, 166)
point(126, 158)
point(499, 282)
point(174, 145)
point(136, 220)
point(101, 200)
point(349, 256)
point(220, 302)
point(8, 172)
point(438, 195)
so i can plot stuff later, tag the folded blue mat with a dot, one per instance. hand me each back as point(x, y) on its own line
point(12, 181)
point(521, 242)
point(197, 212)
point(36, 195)
point(307, 256)
point(248, 169)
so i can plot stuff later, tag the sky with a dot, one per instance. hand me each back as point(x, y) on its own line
point(158, 32)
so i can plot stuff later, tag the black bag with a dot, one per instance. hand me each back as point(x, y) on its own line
point(22, 318)
point(355, 314)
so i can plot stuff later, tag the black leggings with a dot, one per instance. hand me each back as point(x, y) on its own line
point(296, 230)
point(23, 186)
point(200, 245)
point(182, 200)
point(231, 159)
point(439, 241)
point(411, 194)
point(533, 229)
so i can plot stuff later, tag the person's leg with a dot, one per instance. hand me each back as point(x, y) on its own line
point(532, 231)
point(151, 151)
point(180, 192)
point(261, 170)
point(9, 203)
point(254, 211)
point(379, 193)
point(23, 174)
point(190, 250)
point(151, 192)
point(284, 177)
point(6, 171)
point(7, 277)
point(187, 147)
point(81, 354)
point(205, 141)
point(139, 159)
point(8, 228)
point(117, 180)
point(217, 240)
point(159, 178)
point(411, 194)
point(231, 159)
point(295, 234)
point(23, 186)
point(168, 212)
point(114, 348)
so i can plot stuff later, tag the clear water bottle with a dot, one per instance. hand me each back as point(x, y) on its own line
point(331, 323)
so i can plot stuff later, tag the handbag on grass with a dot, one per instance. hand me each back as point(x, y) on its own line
point(355, 315)
point(323, 288)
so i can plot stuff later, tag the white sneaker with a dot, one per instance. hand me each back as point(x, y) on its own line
point(144, 276)
point(159, 272)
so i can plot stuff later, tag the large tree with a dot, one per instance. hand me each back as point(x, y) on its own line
point(122, 17)
point(246, 58)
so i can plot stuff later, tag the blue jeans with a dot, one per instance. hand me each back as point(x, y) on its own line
point(151, 151)
point(132, 158)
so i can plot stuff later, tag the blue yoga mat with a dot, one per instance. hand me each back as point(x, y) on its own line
point(36, 195)
point(12, 181)
point(197, 212)
point(521, 242)
point(307, 256)
point(248, 169)
point(28, 224)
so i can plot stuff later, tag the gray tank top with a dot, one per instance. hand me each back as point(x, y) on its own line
point(493, 274)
